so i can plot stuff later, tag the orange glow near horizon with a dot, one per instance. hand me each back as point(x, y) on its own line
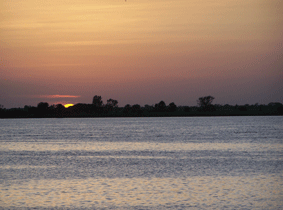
point(68, 105)
point(141, 51)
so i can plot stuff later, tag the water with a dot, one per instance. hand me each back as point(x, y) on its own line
point(142, 163)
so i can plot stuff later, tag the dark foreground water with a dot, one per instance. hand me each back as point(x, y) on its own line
point(142, 163)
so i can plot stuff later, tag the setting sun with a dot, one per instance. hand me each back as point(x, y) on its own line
point(68, 105)
point(140, 52)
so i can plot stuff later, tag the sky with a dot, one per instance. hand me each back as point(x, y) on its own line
point(141, 51)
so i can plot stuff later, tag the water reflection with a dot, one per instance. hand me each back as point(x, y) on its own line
point(201, 192)
point(152, 163)
point(137, 146)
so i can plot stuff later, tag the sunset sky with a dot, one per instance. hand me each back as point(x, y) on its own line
point(141, 51)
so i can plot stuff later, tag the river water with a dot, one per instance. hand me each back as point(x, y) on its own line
point(142, 163)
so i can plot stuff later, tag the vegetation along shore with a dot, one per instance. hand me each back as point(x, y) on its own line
point(111, 109)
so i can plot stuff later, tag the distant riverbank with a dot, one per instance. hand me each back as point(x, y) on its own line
point(89, 110)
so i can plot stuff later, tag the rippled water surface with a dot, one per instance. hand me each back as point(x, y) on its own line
point(142, 163)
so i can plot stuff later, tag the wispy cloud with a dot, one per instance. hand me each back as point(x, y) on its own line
point(91, 43)
point(57, 96)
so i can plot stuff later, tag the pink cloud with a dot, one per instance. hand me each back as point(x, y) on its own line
point(58, 96)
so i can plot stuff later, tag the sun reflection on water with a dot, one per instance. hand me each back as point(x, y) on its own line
point(137, 146)
point(258, 191)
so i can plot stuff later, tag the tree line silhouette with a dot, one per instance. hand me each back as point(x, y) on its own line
point(111, 109)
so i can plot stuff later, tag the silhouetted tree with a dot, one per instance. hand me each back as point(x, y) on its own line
point(59, 107)
point(147, 109)
point(187, 109)
point(82, 109)
point(205, 103)
point(136, 109)
point(160, 107)
point(42, 108)
point(97, 101)
point(1, 110)
point(280, 110)
point(172, 107)
point(275, 108)
point(243, 108)
point(30, 110)
point(59, 110)
point(127, 109)
point(112, 103)
point(26, 108)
